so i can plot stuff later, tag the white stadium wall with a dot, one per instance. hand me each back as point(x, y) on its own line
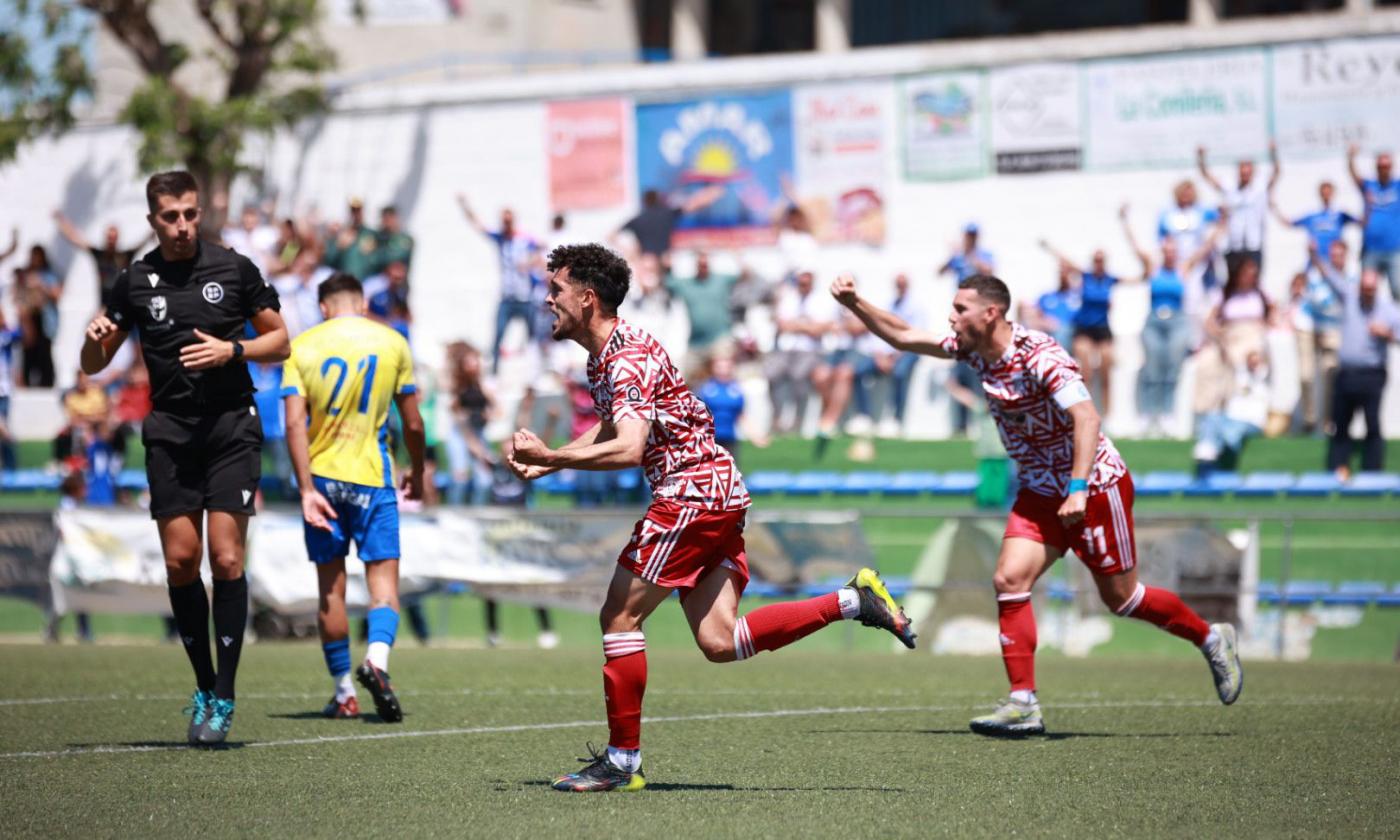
point(417, 148)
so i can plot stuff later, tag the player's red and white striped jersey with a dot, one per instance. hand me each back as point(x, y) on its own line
point(633, 378)
point(1038, 433)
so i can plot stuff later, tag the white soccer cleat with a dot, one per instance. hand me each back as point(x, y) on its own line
point(1224, 660)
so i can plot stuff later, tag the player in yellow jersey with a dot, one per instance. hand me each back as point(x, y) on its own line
point(338, 385)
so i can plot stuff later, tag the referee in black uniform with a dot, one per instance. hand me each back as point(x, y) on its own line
point(189, 301)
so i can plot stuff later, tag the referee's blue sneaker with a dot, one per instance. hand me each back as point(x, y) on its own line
point(216, 727)
point(198, 710)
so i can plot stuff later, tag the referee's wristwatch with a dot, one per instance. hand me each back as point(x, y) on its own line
point(237, 351)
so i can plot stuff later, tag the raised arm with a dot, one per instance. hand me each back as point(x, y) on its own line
point(1207, 248)
point(69, 232)
point(701, 199)
point(1274, 164)
point(1059, 255)
point(887, 325)
point(1324, 268)
point(1142, 255)
point(14, 245)
point(1279, 214)
point(470, 214)
point(1352, 151)
point(100, 341)
point(1205, 170)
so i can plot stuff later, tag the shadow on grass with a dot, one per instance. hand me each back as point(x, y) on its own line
point(674, 787)
point(1049, 736)
point(365, 717)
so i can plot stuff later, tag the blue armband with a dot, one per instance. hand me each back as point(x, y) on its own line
point(1078, 485)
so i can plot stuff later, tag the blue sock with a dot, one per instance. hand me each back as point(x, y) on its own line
point(383, 625)
point(337, 657)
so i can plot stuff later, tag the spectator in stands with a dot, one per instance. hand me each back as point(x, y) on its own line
point(1235, 327)
point(111, 258)
point(85, 410)
point(352, 248)
point(267, 379)
point(1317, 324)
point(387, 293)
point(1380, 244)
point(706, 298)
point(8, 339)
point(394, 245)
point(969, 259)
point(1247, 202)
point(797, 242)
point(1092, 343)
point(877, 360)
point(72, 491)
point(651, 307)
point(469, 456)
point(1188, 224)
point(14, 245)
point(253, 239)
point(964, 387)
point(1370, 321)
point(290, 243)
point(1166, 337)
point(795, 365)
point(1221, 434)
point(724, 398)
point(38, 290)
point(296, 289)
point(655, 224)
point(1054, 311)
point(1322, 226)
point(517, 253)
point(133, 400)
point(835, 378)
point(592, 488)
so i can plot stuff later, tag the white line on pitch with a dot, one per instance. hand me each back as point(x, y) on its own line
point(579, 724)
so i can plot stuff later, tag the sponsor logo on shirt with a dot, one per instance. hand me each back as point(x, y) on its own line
point(158, 308)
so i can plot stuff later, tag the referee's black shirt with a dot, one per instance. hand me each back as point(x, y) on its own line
point(216, 293)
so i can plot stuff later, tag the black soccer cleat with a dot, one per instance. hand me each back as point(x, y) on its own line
point(386, 703)
point(878, 609)
point(600, 775)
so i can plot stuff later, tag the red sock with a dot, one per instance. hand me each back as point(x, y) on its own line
point(1017, 621)
point(779, 625)
point(624, 683)
point(1166, 610)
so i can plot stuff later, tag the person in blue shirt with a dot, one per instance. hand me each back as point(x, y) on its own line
point(1054, 311)
point(971, 259)
point(1187, 223)
point(1166, 337)
point(1092, 341)
point(1380, 244)
point(1322, 226)
point(724, 398)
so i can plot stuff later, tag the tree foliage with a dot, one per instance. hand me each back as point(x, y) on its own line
point(267, 55)
point(38, 99)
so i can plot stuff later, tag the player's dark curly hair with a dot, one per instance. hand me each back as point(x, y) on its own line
point(596, 267)
point(990, 289)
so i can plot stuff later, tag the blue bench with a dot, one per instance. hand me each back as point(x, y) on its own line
point(1215, 484)
point(1299, 593)
point(1315, 484)
point(1268, 592)
point(956, 484)
point(913, 483)
point(864, 483)
point(1162, 483)
point(768, 482)
point(814, 483)
point(1265, 484)
point(1389, 599)
point(1372, 484)
point(1355, 593)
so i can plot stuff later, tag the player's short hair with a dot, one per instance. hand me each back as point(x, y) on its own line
point(990, 289)
point(338, 284)
point(175, 183)
point(596, 267)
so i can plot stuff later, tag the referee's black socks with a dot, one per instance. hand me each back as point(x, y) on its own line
point(230, 618)
point(191, 608)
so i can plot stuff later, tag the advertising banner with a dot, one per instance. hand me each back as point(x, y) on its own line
point(586, 169)
point(1035, 117)
point(1155, 111)
point(841, 146)
point(1327, 95)
point(944, 124)
point(730, 153)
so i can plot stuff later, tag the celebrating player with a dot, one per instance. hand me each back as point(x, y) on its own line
point(691, 538)
point(1076, 492)
point(344, 372)
point(191, 300)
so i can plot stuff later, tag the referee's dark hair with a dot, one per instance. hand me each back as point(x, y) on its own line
point(338, 284)
point(596, 267)
point(990, 289)
point(175, 183)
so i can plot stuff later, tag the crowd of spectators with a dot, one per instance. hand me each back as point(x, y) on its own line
point(734, 328)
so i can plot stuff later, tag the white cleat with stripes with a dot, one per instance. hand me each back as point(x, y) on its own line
point(1224, 659)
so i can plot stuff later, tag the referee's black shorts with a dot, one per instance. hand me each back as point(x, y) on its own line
point(198, 462)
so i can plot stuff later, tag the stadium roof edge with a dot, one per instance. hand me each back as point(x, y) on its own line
point(658, 80)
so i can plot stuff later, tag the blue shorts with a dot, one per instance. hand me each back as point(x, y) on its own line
point(367, 515)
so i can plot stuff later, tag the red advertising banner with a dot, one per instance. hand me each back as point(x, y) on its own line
point(585, 154)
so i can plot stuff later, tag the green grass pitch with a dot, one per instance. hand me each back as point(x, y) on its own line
point(794, 743)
